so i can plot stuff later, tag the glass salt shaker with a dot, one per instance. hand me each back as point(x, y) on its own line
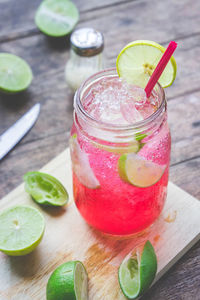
point(85, 56)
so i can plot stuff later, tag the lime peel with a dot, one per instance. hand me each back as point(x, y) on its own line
point(68, 281)
point(137, 271)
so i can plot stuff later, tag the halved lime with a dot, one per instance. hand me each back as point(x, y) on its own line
point(69, 281)
point(81, 165)
point(137, 61)
point(56, 18)
point(137, 271)
point(138, 171)
point(21, 230)
point(45, 189)
point(15, 73)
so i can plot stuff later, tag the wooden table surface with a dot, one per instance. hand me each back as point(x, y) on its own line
point(121, 21)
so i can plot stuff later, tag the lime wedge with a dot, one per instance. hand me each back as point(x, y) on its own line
point(21, 230)
point(69, 281)
point(137, 61)
point(56, 18)
point(134, 146)
point(137, 271)
point(138, 171)
point(45, 189)
point(15, 73)
point(81, 165)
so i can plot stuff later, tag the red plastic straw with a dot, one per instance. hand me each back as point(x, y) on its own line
point(160, 68)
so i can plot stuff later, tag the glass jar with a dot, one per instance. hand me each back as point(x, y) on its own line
point(105, 156)
point(85, 56)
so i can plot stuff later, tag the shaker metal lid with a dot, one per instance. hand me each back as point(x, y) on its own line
point(87, 41)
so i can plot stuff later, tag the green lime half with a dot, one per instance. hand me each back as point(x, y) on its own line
point(137, 271)
point(68, 282)
point(137, 61)
point(21, 230)
point(56, 17)
point(138, 171)
point(45, 189)
point(15, 73)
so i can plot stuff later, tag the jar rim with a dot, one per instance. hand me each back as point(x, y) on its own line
point(78, 106)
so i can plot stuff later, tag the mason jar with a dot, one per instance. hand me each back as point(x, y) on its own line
point(120, 171)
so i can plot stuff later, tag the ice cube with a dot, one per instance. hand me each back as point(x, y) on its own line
point(129, 111)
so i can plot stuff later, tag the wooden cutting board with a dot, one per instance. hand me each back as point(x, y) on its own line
point(68, 237)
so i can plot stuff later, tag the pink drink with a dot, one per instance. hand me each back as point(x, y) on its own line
point(113, 119)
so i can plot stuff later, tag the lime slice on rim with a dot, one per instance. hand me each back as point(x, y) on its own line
point(137, 271)
point(45, 189)
point(15, 73)
point(69, 281)
point(21, 230)
point(137, 61)
point(81, 165)
point(56, 18)
point(138, 171)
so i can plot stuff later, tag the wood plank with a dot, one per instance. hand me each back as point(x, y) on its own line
point(186, 176)
point(105, 253)
point(127, 15)
point(48, 66)
point(185, 127)
point(21, 15)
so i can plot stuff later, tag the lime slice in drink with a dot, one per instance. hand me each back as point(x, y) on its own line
point(134, 146)
point(56, 18)
point(81, 165)
point(69, 281)
point(15, 73)
point(138, 171)
point(137, 61)
point(137, 271)
point(45, 189)
point(21, 230)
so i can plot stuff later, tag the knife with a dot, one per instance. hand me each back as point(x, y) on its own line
point(18, 130)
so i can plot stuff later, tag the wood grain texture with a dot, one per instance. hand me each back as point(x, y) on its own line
point(21, 15)
point(121, 22)
point(101, 254)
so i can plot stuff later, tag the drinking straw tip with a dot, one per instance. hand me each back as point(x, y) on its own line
point(160, 67)
point(174, 44)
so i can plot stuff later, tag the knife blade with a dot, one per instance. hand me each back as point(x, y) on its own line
point(18, 130)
